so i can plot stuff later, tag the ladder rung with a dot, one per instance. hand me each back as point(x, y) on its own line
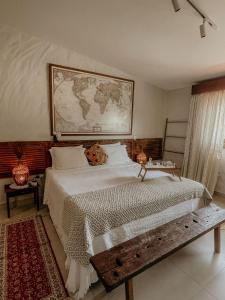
point(177, 121)
point(175, 136)
point(177, 152)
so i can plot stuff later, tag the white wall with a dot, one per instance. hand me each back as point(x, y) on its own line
point(178, 103)
point(24, 113)
point(24, 100)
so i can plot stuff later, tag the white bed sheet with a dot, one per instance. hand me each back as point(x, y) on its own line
point(61, 184)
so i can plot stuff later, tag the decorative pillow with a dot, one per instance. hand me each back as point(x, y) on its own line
point(96, 155)
point(116, 155)
point(64, 158)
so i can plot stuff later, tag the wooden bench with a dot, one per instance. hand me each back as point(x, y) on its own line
point(121, 263)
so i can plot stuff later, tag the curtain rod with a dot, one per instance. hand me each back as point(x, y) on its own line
point(210, 85)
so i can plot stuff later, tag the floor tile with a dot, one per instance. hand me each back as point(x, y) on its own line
point(216, 286)
point(160, 282)
point(203, 295)
point(163, 281)
point(199, 261)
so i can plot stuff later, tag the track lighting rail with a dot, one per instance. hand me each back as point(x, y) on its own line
point(202, 14)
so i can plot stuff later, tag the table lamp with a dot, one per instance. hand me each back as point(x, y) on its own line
point(141, 158)
point(20, 172)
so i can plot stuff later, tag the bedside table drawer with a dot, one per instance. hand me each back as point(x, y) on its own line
point(21, 192)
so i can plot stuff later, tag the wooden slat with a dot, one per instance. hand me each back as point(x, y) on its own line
point(37, 156)
point(178, 121)
point(211, 85)
point(89, 143)
point(121, 263)
point(34, 156)
point(172, 136)
point(171, 151)
point(164, 138)
point(176, 137)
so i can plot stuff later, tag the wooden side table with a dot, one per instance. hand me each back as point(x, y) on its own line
point(13, 193)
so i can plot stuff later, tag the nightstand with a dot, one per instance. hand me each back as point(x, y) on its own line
point(13, 193)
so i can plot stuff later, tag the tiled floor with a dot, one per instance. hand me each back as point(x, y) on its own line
point(193, 273)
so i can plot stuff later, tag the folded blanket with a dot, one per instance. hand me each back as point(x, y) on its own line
point(91, 214)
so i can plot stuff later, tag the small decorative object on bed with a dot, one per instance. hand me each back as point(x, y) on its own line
point(96, 155)
point(88, 103)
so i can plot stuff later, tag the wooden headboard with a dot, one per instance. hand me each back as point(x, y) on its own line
point(37, 156)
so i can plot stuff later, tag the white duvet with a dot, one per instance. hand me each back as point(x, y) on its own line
point(61, 184)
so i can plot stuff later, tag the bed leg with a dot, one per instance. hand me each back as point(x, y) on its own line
point(129, 290)
point(217, 240)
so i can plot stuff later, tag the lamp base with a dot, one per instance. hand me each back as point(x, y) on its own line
point(18, 187)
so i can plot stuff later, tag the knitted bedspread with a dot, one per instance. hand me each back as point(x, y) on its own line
point(91, 214)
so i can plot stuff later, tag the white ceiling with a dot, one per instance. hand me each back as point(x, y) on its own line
point(145, 38)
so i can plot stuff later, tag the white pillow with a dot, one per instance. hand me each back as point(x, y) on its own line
point(64, 158)
point(51, 150)
point(116, 155)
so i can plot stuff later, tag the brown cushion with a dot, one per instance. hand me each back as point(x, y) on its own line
point(96, 155)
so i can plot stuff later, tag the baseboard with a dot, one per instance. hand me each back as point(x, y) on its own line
point(219, 194)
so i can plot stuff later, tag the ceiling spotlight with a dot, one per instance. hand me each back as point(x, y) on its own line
point(203, 29)
point(176, 5)
point(201, 13)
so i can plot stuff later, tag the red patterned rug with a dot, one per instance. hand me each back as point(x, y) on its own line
point(28, 269)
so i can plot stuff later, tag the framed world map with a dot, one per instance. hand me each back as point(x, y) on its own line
point(88, 103)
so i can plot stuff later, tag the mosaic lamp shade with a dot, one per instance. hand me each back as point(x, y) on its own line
point(20, 174)
point(142, 158)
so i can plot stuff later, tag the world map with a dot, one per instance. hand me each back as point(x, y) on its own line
point(86, 103)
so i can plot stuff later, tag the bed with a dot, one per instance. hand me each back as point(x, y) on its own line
point(64, 184)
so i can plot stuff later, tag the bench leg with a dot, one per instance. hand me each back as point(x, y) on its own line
point(217, 240)
point(129, 289)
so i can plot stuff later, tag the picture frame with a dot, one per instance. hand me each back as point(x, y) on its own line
point(89, 103)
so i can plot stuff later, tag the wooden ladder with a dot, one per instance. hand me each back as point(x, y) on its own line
point(172, 136)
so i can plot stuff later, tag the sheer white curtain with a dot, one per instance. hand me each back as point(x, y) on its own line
point(205, 138)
